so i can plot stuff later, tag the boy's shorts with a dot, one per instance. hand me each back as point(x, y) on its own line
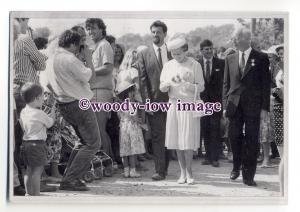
point(34, 153)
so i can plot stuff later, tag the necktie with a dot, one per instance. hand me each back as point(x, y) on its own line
point(159, 57)
point(207, 71)
point(242, 65)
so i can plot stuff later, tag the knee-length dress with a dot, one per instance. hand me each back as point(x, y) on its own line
point(131, 135)
point(182, 129)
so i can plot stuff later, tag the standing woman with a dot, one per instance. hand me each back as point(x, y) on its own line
point(180, 78)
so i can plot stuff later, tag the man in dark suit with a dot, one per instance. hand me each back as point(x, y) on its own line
point(210, 125)
point(150, 63)
point(246, 99)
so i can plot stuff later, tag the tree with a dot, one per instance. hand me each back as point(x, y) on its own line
point(43, 32)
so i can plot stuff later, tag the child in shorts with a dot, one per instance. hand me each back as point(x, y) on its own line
point(34, 122)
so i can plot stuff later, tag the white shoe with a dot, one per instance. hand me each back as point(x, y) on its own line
point(190, 181)
point(181, 180)
point(134, 174)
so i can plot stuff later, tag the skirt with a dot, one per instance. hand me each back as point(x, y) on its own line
point(182, 129)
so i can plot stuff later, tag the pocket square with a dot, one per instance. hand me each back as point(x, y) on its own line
point(218, 69)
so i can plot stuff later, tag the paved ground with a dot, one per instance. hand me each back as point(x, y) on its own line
point(210, 182)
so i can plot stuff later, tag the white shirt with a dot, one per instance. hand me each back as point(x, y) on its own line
point(69, 78)
point(210, 65)
point(103, 54)
point(246, 56)
point(164, 52)
point(35, 123)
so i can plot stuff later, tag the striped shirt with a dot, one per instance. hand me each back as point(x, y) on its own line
point(27, 60)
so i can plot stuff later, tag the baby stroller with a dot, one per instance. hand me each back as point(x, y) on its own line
point(101, 164)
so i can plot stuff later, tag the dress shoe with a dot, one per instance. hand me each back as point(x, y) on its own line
point(158, 177)
point(234, 175)
point(206, 162)
point(181, 180)
point(75, 185)
point(250, 183)
point(19, 191)
point(215, 164)
point(47, 188)
point(190, 181)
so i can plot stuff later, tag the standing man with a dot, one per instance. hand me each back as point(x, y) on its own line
point(69, 80)
point(150, 63)
point(103, 60)
point(210, 125)
point(246, 99)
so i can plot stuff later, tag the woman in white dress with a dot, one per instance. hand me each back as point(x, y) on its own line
point(181, 77)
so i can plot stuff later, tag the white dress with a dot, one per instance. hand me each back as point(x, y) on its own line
point(182, 129)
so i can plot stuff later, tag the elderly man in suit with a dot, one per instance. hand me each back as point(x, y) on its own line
point(210, 125)
point(150, 62)
point(246, 99)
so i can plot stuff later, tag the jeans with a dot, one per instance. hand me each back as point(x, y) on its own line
point(85, 124)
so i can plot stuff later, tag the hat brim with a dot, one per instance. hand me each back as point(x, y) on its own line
point(120, 90)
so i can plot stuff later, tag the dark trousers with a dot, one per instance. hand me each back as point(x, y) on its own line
point(245, 145)
point(18, 131)
point(112, 129)
point(210, 129)
point(160, 153)
point(85, 124)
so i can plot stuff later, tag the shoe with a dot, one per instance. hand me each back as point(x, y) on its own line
point(250, 183)
point(47, 188)
point(126, 172)
point(158, 177)
point(75, 185)
point(134, 174)
point(181, 180)
point(215, 164)
point(234, 175)
point(206, 162)
point(190, 181)
point(19, 191)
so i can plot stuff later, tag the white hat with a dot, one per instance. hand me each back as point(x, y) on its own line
point(176, 42)
point(124, 81)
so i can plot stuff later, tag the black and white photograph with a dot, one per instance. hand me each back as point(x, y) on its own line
point(147, 104)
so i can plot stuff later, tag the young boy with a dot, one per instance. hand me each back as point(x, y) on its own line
point(34, 122)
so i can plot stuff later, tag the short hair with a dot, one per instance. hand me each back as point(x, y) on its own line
point(41, 43)
point(21, 19)
point(159, 24)
point(111, 39)
point(30, 91)
point(98, 21)
point(77, 27)
point(244, 32)
point(205, 43)
point(67, 38)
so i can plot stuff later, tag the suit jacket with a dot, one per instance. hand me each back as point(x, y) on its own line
point(213, 88)
point(149, 75)
point(252, 89)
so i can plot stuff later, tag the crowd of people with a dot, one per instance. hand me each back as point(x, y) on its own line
point(50, 78)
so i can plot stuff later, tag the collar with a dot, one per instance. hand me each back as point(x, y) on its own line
point(210, 60)
point(156, 47)
point(247, 52)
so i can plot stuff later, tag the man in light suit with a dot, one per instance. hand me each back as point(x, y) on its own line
point(210, 125)
point(246, 99)
point(150, 63)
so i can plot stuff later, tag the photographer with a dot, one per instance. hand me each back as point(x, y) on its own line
point(70, 83)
